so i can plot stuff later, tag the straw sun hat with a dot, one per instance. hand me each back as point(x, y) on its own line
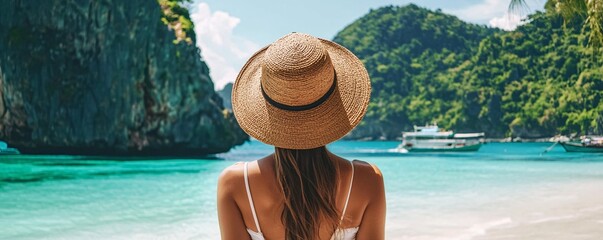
point(301, 92)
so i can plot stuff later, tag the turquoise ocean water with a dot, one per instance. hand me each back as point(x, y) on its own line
point(504, 191)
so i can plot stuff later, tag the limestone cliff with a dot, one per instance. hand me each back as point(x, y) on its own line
point(106, 77)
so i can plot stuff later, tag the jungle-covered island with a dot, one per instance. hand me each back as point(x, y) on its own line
point(537, 81)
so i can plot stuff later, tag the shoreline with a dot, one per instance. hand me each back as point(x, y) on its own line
point(486, 140)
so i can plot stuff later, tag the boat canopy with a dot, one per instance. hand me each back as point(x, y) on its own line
point(428, 134)
point(433, 131)
point(593, 137)
point(428, 128)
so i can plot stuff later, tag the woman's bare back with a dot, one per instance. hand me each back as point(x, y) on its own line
point(366, 206)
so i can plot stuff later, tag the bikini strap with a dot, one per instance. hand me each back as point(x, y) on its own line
point(345, 207)
point(255, 216)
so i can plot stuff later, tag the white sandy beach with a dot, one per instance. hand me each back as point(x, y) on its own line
point(548, 212)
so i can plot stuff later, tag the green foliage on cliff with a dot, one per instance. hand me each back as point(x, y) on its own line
point(426, 66)
point(178, 19)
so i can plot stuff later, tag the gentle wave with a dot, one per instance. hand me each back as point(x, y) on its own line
point(482, 228)
point(553, 219)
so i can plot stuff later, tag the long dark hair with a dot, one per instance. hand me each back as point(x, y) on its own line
point(308, 181)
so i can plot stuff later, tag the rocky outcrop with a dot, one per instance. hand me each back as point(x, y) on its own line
point(105, 77)
point(226, 95)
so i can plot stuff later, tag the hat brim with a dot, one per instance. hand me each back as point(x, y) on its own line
point(307, 129)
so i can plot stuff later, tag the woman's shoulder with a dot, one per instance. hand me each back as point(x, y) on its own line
point(368, 178)
point(231, 177)
point(233, 170)
point(367, 170)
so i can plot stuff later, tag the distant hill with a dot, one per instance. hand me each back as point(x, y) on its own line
point(427, 66)
point(408, 52)
point(225, 94)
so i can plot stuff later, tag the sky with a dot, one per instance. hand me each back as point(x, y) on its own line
point(229, 32)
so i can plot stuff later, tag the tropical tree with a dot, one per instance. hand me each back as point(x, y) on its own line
point(589, 10)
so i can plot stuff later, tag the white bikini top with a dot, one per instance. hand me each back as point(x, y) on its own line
point(340, 234)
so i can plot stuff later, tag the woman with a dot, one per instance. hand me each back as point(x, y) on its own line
point(299, 94)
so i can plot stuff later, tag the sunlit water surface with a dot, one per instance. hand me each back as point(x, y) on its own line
point(504, 191)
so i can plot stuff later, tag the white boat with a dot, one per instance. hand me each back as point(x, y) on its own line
point(586, 144)
point(430, 139)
